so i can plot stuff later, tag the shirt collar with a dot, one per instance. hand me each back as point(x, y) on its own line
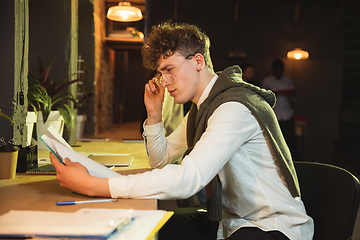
point(207, 90)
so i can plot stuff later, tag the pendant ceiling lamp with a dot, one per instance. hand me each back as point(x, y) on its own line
point(298, 54)
point(124, 12)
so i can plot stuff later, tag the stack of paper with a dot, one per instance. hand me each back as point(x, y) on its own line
point(59, 147)
point(81, 224)
point(144, 225)
point(111, 224)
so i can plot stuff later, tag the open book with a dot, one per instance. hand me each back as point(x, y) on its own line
point(61, 149)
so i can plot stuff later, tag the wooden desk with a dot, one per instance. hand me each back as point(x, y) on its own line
point(29, 192)
point(40, 192)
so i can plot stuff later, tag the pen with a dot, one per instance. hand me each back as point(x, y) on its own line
point(89, 201)
point(115, 164)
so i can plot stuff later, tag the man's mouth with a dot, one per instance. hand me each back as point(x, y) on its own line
point(172, 92)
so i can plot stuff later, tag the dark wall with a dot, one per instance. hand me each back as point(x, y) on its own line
point(266, 30)
point(86, 49)
point(7, 22)
point(50, 23)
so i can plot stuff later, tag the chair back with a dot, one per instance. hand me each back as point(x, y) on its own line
point(331, 196)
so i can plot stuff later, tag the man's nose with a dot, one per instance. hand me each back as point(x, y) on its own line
point(164, 83)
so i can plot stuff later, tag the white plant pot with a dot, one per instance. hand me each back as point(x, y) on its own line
point(55, 119)
point(31, 118)
point(80, 123)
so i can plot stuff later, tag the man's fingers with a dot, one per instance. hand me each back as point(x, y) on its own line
point(57, 163)
point(67, 161)
point(148, 88)
point(54, 160)
point(152, 87)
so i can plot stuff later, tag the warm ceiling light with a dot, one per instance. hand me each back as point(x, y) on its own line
point(124, 12)
point(298, 54)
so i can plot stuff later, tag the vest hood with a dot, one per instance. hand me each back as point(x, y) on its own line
point(232, 77)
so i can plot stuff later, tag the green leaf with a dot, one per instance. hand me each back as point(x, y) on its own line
point(46, 108)
point(66, 83)
point(62, 96)
point(68, 115)
point(7, 117)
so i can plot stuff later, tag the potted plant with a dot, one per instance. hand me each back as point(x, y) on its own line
point(8, 155)
point(55, 105)
point(37, 98)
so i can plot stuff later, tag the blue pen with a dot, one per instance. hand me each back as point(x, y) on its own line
point(89, 201)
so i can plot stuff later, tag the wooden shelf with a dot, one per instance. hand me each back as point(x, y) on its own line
point(124, 43)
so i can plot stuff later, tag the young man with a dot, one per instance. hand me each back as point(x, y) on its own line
point(233, 146)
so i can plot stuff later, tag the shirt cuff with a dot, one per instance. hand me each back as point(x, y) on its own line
point(151, 130)
point(117, 187)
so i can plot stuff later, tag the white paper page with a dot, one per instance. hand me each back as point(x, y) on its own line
point(105, 211)
point(143, 223)
point(51, 132)
point(95, 169)
point(145, 220)
point(45, 223)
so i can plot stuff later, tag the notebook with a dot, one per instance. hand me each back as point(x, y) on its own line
point(47, 169)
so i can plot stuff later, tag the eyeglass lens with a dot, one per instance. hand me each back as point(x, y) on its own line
point(169, 77)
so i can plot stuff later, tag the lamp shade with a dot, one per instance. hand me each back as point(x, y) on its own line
point(124, 12)
point(298, 54)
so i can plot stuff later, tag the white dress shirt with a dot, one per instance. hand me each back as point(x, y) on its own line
point(233, 146)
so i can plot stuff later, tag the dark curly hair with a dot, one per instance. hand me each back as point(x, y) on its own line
point(168, 37)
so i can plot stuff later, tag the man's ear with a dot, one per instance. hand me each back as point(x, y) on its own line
point(200, 61)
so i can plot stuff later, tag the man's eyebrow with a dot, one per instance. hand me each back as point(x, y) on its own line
point(164, 67)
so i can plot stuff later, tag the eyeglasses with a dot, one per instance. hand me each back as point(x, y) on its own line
point(169, 78)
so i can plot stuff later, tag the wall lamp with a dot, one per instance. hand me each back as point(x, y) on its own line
point(124, 12)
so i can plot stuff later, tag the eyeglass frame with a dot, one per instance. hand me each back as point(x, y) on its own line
point(161, 77)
